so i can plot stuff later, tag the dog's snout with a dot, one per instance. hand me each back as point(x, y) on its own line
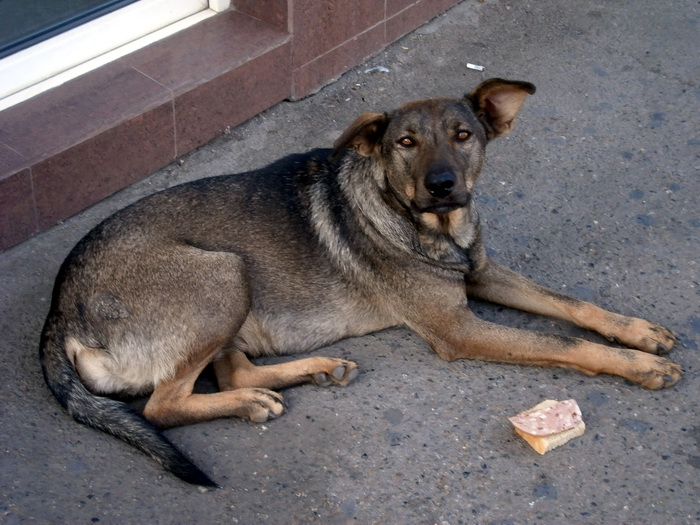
point(440, 184)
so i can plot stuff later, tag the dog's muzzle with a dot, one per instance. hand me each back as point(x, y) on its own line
point(443, 193)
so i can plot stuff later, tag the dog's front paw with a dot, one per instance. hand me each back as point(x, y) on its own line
point(643, 335)
point(657, 372)
point(335, 372)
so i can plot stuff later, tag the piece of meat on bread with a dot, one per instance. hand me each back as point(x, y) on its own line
point(549, 424)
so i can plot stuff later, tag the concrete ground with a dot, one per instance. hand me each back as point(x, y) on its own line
point(595, 193)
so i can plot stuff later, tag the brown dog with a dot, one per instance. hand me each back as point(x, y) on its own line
point(314, 248)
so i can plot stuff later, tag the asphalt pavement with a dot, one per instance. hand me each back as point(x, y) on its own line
point(595, 194)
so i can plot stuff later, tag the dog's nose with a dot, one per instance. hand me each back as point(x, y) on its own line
point(440, 184)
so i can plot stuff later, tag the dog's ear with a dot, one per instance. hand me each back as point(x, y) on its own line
point(364, 134)
point(496, 102)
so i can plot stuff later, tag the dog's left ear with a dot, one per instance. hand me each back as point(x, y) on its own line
point(496, 102)
point(364, 134)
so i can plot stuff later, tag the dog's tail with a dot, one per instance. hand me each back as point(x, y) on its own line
point(105, 414)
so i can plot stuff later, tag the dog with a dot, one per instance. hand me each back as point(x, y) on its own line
point(380, 231)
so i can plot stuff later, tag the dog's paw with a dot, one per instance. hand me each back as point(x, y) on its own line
point(260, 404)
point(644, 335)
point(657, 372)
point(335, 372)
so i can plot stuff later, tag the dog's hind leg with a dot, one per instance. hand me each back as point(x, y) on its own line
point(173, 403)
point(194, 303)
point(234, 371)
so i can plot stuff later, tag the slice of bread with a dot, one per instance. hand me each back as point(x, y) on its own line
point(549, 424)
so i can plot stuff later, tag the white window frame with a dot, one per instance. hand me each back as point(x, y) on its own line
point(66, 56)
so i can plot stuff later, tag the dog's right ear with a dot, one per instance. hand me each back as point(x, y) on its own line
point(364, 134)
point(496, 102)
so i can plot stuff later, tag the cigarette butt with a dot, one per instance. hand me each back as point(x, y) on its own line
point(476, 67)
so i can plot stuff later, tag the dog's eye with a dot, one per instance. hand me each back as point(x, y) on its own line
point(463, 135)
point(407, 142)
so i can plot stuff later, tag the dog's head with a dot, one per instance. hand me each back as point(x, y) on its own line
point(431, 151)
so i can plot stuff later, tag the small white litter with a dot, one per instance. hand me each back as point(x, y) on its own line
point(377, 69)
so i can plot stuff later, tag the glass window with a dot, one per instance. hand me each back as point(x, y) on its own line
point(24, 23)
point(90, 34)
